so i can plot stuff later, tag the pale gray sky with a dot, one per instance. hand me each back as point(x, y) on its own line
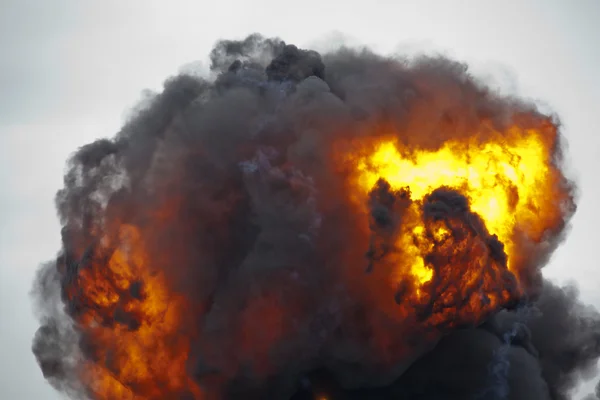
point(70, 70)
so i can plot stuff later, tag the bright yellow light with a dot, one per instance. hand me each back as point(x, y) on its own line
point(504, 181)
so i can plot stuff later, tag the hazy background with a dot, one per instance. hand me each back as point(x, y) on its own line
point(71, 70)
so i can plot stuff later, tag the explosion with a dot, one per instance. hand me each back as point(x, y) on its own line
point(299, 226)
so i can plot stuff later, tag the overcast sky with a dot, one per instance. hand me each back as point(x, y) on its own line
point(70, 70)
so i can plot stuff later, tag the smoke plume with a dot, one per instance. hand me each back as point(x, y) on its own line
point(252, 235)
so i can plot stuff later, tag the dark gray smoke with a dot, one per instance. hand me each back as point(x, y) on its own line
point(554, 342)
point(244, 211)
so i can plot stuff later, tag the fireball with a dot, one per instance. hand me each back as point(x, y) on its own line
point(296, 213)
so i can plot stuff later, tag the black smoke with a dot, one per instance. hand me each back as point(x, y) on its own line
point(256, 209)
point(554, 343)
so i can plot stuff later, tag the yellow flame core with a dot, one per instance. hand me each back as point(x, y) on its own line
point(505, 181)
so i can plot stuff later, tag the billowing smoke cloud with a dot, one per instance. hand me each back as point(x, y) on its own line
point(211, 249)
point(555, 343)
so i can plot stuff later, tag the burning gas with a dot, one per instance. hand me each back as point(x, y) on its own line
point(500, 181)
point(506, 177)
point(132, 322)
point(339, 214)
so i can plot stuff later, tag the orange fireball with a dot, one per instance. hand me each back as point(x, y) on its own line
point(244, 231)
point(509, 182)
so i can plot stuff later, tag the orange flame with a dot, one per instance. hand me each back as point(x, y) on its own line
point(149, 356)
point(511, 183)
